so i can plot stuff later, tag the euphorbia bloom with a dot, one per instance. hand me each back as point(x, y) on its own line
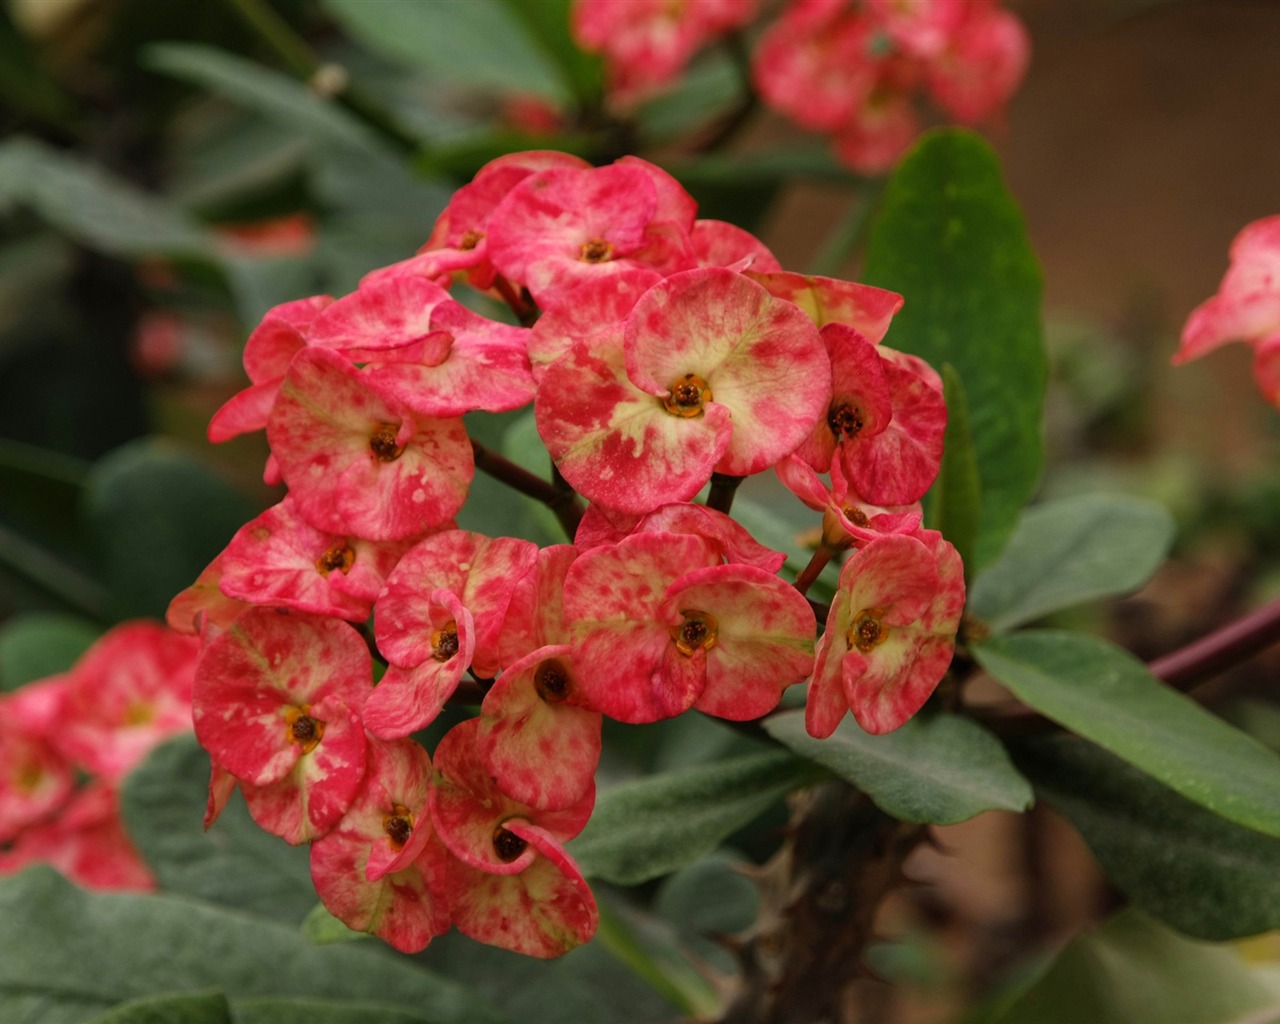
point(277, 703)
point(359, 464)
point(381, 870)
point(510, 882)
point(1245, 308)
point(714, 374)
point(890, 633)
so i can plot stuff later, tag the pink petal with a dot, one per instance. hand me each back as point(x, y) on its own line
point(826, 300)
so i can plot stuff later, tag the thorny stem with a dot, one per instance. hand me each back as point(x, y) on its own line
point(814, 569)
point(560, 499)
point(525, 313)
point(723, 488)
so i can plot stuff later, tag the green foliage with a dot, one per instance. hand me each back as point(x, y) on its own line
point(154, 519)
point(951, 239)
point(321, 928)
point(70, 955)
point(939, 769)
point(1106, 695)
point(644, 829)
point(194, 1008)
point(547, 24)
point(1177, 861)
point(1069, 551)
point(1134, 971)
point(94, 207)
point(41, 644)
point(957, 495)
point(480, 44)
point(235, 864)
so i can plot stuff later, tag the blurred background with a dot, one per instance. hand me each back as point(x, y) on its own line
point(170, 171)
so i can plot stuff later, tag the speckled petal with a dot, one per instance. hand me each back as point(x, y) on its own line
point(827, 300)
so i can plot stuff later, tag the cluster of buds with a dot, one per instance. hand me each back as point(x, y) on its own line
point(660, 352)
point(861, 71)
point(1245, 308)
point(67, 742)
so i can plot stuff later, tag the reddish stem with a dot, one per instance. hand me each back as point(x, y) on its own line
point(524, 312)
point(814, 569)
point(723, 488)
point(1220, 650)
point(561, 500)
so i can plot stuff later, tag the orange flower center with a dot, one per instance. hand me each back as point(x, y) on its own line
point(398, 825)
point(382, 442)
point(340, 556)
point(844, 419)
point(444, 642)
point(551, 681)
point(688, 394)
point(699, 630)
point(866, 633)
point(302, 729)
point(596, 251)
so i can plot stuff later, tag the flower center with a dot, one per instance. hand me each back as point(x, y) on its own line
point(507, 845)
point(470, 240)
point(551, 681)
point(398, 825)
point(844, 419)
point(699, 630)
point(382, 442)
point(856, 516)
point(688, 395)
point(302, 729)
point(444, 642)
point(596, 251)
point(866, 633)
point(341, 556)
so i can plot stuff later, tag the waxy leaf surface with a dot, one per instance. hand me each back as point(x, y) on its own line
point(1106, 695)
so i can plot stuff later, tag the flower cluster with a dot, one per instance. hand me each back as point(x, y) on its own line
point(1245, 308)
point(857, 70)
point(659, 351)
point(67, 742)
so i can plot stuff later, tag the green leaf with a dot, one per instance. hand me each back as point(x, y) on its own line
point(323, 1011)
point(956, 506)
point(645, 946)
point(40, 644)
point(321, 928)
point(938, 769)
point(547, 24)
point(235, 864)
point(644, 829)
point(1106, 695)
point(1134, 971)
point(270, 93)
point(155, 519)
point(195, 1008)
point(1177, 861)
point(69, 955)
point(951, 239)
point(1069, 551)
point(103, 212)
point(477, 44)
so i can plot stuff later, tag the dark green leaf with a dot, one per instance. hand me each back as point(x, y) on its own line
point(951, 239)
point(326, 1011)
point(235, 864)
point(956, 507)
point(477, 44)
point(1177, 861)
point(646, 946)
point(1134, 971)
point(644, 829)
point(270, 93)
point(69, 955)
point(195, 1008)
point(939, 769)
point(41, 644)
point(1065, 552)
point(713, 896)
point(1106, 695)
point(155, 519)
point(547, 24)
point(101, 211)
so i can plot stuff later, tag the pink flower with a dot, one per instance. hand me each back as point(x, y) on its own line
point(510, 882)
point(35, 780)
point(277, 704)
point(381, 869)
point(127, 693)
point(983, 65)
point(358, 464)
point(1246, 307)
point(847, 520)
point(865, 308)
point(890, 633)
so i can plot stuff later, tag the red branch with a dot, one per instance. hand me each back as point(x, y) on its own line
point(1220, 650)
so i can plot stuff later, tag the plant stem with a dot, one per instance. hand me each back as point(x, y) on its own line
point(814, 569)
point(1220, 650)
point(303, 62)
point(560, 499)
point(723, 488)
point(525, 313)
